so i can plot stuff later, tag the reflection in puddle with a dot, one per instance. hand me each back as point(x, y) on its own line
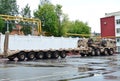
point(112, 77)
point(108, 72)
point(7, 64)
point(84, 69)
point(87, 68)
point(43, 65)
point(78, 77)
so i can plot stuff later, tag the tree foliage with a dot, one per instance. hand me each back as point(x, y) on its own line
point(47, 14)
point(26, 30)
point(79, 27)
point(8, 7)
point(55, 22)
point(1, 24)
point(65, 24)
point(59, 14)
point(26, 12)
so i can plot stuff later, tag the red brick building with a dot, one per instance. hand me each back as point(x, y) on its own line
point(110, 26)
point(107, 26)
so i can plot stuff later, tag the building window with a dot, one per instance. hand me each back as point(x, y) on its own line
point(118, 40)
point(118, 30)
point(118, 21)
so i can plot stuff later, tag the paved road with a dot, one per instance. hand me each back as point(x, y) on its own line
point(73, 68)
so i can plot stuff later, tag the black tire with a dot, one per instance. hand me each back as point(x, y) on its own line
point(63, 54)
point(31, 55)
point(82, 54)
point(55, 55)
point(105, 52)
point(93, 53)
point(40, 55)
point(48, 54)
point(89, 54)
point(111, 51)
point(97, 52)
point(21, 56)
point(11, 58)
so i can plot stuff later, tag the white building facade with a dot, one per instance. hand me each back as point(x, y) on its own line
point(117, 32)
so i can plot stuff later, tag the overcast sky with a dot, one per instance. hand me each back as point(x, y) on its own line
point(84, 10)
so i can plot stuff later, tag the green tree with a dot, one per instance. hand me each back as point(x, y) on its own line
point(26, 12)
point(78, 27)
point(46, 13)
point(26, 30)
point(59, 14)
point(65, 24)
point(2, 23)
point(8, 27)
point(51, 17)
point(55, 22)
point(9, 7)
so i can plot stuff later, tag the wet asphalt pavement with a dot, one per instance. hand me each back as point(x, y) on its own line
point(72, 68)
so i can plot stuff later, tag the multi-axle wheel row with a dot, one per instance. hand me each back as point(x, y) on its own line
point(98, 52)
point(21, 56)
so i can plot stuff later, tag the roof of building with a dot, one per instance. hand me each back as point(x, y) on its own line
point(113, 14)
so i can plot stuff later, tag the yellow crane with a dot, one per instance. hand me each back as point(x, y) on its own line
point(23, 19)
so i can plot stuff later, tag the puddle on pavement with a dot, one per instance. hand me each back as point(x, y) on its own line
point(88, 68)
point(84, 69)
point(92, 74)
point(112, 77)
point(80, 76)
point(108, 72)
point(43, 65)
point(7, 64)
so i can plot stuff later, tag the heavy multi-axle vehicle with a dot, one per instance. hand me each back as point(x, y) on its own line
point(41, 47)
point(97, 47)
